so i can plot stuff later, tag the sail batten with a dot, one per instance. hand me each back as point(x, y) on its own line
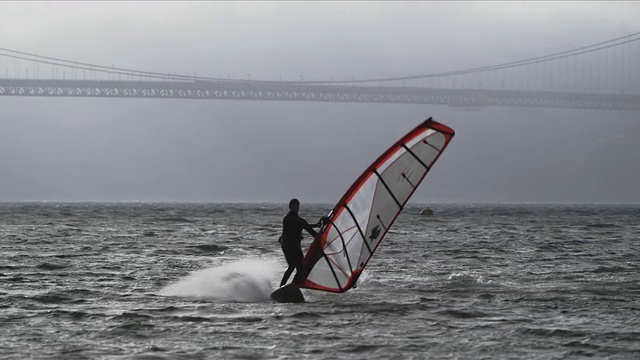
point(384, 183)
point(366, 212)
point(358, 227)
point(416, 157)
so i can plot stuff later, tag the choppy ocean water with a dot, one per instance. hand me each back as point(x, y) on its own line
point(192, 281)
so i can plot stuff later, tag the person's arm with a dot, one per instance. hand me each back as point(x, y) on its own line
point(323, 220)
point(309, 227)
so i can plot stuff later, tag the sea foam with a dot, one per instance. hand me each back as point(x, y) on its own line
point(247, 280)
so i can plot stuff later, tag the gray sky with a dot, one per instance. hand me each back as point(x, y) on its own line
point(204, 150)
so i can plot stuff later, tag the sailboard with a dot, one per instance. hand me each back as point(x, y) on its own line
point(365, 213)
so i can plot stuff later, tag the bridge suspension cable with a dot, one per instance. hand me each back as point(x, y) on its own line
point(20, 55)
point(99, 68)
point(536, 60)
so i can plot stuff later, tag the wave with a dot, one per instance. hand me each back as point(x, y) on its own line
point(52, 298)
point(209, 248)
point(612, 269)
point(556, 332)
point(465, 279)
point(305, 315)
point(600, 226)
point(51, 266)
point(362, 348)
point(459, 314)
point(178, 219)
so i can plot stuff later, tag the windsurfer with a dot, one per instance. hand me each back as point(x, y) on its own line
point(292, 226)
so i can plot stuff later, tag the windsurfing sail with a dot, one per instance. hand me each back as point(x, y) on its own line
point(361, 219)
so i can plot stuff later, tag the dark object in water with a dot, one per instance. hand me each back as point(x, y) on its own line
point(426, 211)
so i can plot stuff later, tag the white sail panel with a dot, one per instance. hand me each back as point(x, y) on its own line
point(343, 244)
point(401, 178)
point(366, 212)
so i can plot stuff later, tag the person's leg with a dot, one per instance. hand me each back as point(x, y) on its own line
point(291, 261)
point(300, 273)
point(286, 275)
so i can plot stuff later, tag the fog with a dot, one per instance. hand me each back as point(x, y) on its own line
point(92, 149)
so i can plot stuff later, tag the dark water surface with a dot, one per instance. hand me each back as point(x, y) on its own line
point(192, 281)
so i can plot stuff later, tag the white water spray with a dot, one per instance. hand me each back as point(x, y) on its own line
point(247, 280)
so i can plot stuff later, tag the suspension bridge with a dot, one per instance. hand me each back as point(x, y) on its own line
point(603, 76)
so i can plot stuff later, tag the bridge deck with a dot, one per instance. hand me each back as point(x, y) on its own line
point(456, 98)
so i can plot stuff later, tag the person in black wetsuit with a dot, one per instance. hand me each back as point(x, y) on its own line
point(292, 226)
